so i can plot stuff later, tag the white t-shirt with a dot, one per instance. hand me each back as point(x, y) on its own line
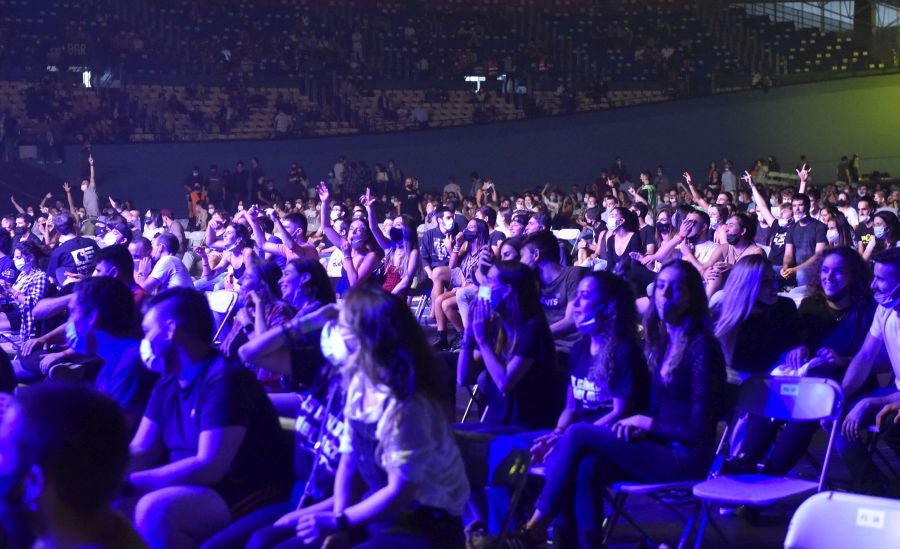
point(417, 443)
point(335, 263)
point(171, 273)
point(886, 327)
point(704, 250)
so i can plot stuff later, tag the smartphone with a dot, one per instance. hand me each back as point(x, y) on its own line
point(484, 292)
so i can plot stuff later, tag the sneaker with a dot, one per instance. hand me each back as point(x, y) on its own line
point(66, 372)
point(441, 343)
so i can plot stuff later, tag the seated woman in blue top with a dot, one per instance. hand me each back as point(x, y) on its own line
point(673, 440)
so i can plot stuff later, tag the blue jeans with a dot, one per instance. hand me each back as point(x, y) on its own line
point(588, 458)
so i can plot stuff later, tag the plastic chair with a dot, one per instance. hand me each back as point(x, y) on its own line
point(222, 303)
point(782, 399)
point(837, 520)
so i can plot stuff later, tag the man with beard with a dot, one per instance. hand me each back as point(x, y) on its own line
point(63, 451)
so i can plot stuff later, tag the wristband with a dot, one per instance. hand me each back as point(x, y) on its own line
point(341, 522)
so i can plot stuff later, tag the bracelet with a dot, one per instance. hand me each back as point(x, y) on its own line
point(341, 522)
point(456, 250)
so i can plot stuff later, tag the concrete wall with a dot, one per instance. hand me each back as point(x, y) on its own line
point(823, 121)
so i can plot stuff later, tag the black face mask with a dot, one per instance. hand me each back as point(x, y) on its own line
point(733, 239)
point(469, 236)
point(396, 234)
point(663, 228)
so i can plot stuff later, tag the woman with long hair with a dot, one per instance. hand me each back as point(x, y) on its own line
point(261, 308)
point(401, 250)
point(467, 248)
point(30, 286)
point(285, 349)
point(753, 323)
point(361, 254)
point(398, 445)
point(508, 336)
point(230, 266)
point(622, 236)
point(608, 374)
point(886, 234)
point(832, 325)
point(839, 233)
point(673, 440)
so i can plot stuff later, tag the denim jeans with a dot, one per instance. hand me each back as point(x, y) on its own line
point(589, 458)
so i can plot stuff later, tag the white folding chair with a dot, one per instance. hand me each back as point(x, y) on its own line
point(835, 520)
point(781, 399)
point(221, 303)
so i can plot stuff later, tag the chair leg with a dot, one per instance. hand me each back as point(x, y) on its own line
point(617, 503)
point(689, 527)
point(472, 394)
point(701, 527)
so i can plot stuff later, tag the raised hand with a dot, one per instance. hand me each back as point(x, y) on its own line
point(687, 178)
point(803, 172)
point(91, 160)
point(48, 196)
point(747, 178)
point(367, 199)
point(66, 187)
point(322, 190)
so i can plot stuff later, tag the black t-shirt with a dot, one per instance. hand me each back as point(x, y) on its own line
point(626, 377)
point(648, 236)
point(555, 297)
point(776, 245)
point(224, 394)
point(804, 238)
point(73, 256)
point(764, 336)
point(842, 331)
point(409, 204)
point(497, 237)
point(537, 398)
point(613, 258)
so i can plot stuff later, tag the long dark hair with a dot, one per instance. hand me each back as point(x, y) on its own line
point(523, 304)
point(696, 318)
point(860, 277)
point(392, 348)
point(319, 288)
point(617, 314)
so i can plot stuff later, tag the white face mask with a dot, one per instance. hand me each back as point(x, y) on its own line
point(19, 263)
point(333, 346)
point(84, 187)
point(879, 231)
point(832, 236)
point(448, 224)
point(110, 239)
point(887, 299)
point(153, 362)
point(612, 224)
point(782, 222)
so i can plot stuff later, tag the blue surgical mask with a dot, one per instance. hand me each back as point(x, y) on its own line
point(888, 299)
point(76, 343)
point(19, 263)
point(879, 231)
point(154, 362)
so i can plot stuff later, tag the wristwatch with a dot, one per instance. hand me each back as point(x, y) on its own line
point(341, 522)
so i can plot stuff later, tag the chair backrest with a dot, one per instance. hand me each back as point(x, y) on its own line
point(838, 520)
point(790, 398)
point(221, 303)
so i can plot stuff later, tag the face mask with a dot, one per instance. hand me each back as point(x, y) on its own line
point(887, 299)
point(800, 217)
point(76, 343)
point(612, 224)
point(863, 219)
point(713, 222)
point(831, 235)
point(783, 222)
point(396, 234)
point(356, 243)
point(19, 263)
point(469, 236)
point(154, 362)
point(334, 347)
point(860, 193)
point(879, 231)
point(448, 224)
point(211, 211)
point(84, 188)
point(110, 239)
point(663, 228)
point(148, 220)
point(240, 207)
point(335, 216)
point(733, 238)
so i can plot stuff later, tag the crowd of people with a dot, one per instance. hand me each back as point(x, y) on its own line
point(604, 327)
